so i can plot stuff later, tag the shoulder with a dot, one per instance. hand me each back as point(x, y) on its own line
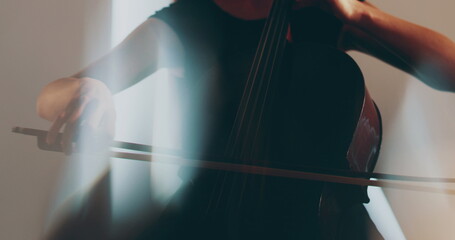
point(186, 16)
point(155, 39)
point(182, 9)
point(154, 29)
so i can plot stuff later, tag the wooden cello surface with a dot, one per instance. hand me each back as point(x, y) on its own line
point(311, 110)
point(319, 111)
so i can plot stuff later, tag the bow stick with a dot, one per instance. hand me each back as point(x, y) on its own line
point(165, 156)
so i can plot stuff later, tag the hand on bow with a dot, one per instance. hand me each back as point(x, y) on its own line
point(83, 104)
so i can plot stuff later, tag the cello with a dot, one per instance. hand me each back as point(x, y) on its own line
point(300, 104)
point(303, 104)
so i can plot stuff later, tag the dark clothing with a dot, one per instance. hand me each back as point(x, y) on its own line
point(218, 49)
point(218, 205)
point(208, 33)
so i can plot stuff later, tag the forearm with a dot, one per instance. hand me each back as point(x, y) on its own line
point(151, 46)
point(134, 59)
point(129, 62)
point(116, 71)
point(429, 55)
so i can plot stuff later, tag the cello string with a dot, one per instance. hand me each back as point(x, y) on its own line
point(277, 57)
point(252, 76)
point(238, 125)
point(261, 97)
point(269, 75)
point(249, 109)
point(254, 94)
point(245, 105)
point(257, 94)
point(278, 22)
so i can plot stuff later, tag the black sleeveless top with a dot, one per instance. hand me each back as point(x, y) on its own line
point(214, 42)
point(207, 32)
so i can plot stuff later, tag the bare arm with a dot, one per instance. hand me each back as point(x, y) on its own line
point(63, 101)
point(426, 54)
point(150, 46)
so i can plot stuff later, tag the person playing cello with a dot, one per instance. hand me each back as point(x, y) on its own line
point(199, 40)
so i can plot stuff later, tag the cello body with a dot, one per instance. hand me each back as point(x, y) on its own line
point(320, 116)
point(312, 111)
